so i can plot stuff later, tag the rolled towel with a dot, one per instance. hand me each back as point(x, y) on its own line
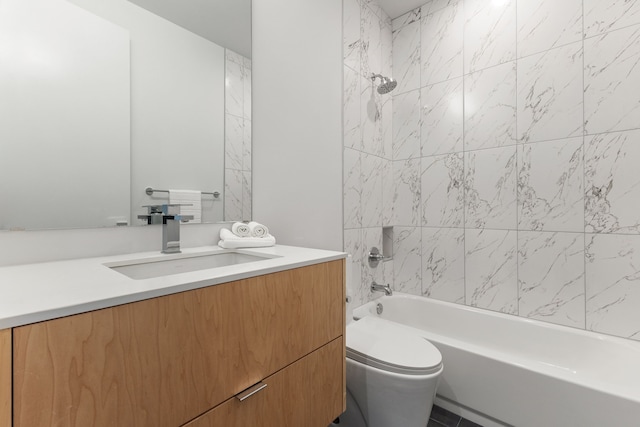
point(241, 229)
point(258, 230)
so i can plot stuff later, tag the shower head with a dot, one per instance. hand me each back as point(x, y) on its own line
point(387, 84)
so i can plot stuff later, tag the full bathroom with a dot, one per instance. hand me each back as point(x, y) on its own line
point(449, 185)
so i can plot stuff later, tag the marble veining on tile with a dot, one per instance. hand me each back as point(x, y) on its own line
point(409, 17)
point(386, 127)
point(491, 270)
point(442, 118)
point(436, 5)
point(407, 260)
point(545, 24)
point(234, 89)
point(490, 97)
point(513, 130)
point(234, 141)
point(601, 16)
point(351, 109)
point(443, 264)
point(443, 190)
point(375, 7)
point(368, 187)
point(247, 188)
point(550, 94)
point(442, 44)
point(247, 149)
point(489, 33)
point(247, 89)
point(612, 81)
point(371, 198)
point(551, 277)
point(386, 54)
point(490, 188)
point(233, 197)
point(406, 57)
point(352, 42)
point(371, 42)
point(612, 183)
point(388, 193)
point(613, 284)
point(407, 194)
point(352, 188)
point(550, 186)
point(406, 125)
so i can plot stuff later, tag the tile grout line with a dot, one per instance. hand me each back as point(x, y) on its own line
point(521, 148)
point(584, 178)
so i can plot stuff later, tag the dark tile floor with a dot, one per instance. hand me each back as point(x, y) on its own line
point(440, 417)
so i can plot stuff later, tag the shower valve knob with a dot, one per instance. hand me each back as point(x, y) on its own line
point(374, 257)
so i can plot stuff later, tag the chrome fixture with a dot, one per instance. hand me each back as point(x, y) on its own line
point(150, 190)
point(170, 217)
point(379, 308)
point(387, 83)
point(381, 288)
point(374, 257)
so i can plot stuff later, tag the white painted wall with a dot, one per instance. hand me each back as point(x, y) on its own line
point(297, 120)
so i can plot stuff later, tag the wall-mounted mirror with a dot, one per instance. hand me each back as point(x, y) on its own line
point(101, 99)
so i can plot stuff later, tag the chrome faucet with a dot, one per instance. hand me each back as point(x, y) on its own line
point(171, 218)
point(382, 288)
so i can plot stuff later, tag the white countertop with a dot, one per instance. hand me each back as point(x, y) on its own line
point(36, 292)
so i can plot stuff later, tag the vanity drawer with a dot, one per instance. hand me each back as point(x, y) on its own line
point(295, 396)
point(167, 360)
point(5, 378)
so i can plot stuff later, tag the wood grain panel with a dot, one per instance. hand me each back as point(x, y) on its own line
point(307, 393)
point(164, 361)
point(5, 378)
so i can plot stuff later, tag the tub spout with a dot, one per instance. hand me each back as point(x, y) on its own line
point(382, 288)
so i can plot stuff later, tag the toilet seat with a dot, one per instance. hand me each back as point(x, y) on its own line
point(391, 347)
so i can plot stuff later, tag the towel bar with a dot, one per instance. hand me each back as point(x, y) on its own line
point(150, 191)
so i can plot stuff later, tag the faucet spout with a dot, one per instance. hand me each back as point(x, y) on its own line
point(375, 287)
point(171, 234)
point(169, 216)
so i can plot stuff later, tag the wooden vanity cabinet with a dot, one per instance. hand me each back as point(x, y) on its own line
point(5, 378)
point(293, 397)
point(168, 360)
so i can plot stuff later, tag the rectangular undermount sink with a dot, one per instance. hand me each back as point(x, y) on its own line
point(167, 265)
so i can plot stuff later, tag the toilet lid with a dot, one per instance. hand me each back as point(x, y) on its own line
point(391, 347)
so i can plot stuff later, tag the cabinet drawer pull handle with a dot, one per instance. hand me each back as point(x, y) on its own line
point(250, 391)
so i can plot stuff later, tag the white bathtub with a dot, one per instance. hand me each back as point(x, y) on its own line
point(501, 369)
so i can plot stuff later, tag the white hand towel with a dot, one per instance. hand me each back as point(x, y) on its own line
point(228, 240)
point(258, 230)
point(188, 197)
point(241, 229)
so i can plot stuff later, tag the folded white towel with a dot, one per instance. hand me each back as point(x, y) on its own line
point(258, 230)
point(241, 229)
point(188, 197)
point(228, 240)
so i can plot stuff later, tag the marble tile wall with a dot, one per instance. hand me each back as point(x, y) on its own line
point(237, 162)
point(515, 157)
point(368, 151)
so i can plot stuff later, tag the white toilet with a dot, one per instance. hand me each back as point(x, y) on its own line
point(392, 375)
